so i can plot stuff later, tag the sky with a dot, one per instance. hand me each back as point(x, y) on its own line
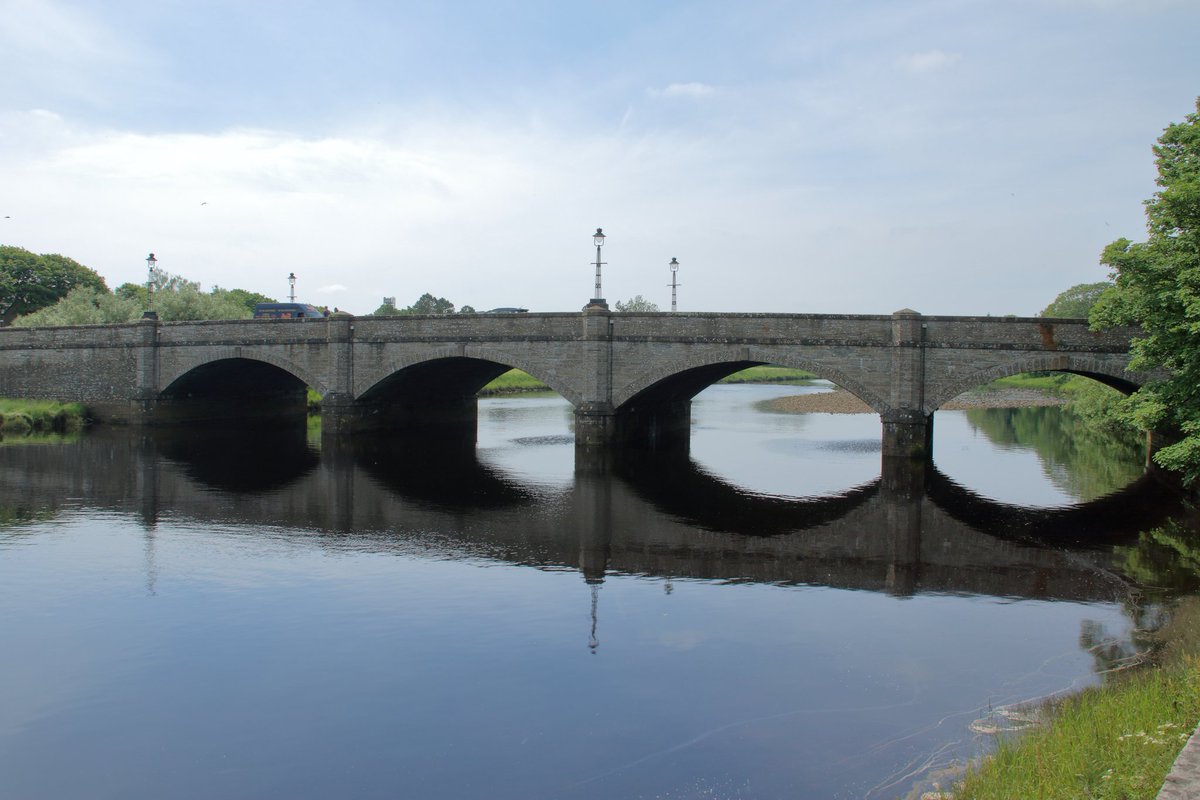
point(856, 157)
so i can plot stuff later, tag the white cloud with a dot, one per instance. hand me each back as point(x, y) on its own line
point(929, 61)
point(492, 215)
point(683, 90)
point(830, 180)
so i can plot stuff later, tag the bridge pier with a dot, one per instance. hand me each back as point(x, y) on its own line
point(902, 492)
point(653, 428)
point(595, 425)
point(907, 434)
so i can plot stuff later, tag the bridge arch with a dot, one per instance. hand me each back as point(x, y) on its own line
point(213, 356)
point(231, 388)
point(443, 359)
point(1102, 370)
point(700, 370)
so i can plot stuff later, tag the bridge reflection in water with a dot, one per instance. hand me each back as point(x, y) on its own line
point(651, 514)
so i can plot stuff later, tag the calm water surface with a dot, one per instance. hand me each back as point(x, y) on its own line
point(760, 618)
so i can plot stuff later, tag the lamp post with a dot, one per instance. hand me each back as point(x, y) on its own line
point(292, 285)
point(151, 273)
point(598, 240)
point(674, 265)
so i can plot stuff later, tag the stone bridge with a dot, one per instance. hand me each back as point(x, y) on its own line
point(629, 376)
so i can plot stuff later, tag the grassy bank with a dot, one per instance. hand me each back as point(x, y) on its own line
point(1117, 740)
point(20, 417)
point(515, 381)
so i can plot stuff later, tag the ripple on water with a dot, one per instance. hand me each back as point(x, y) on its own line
point(565, 438)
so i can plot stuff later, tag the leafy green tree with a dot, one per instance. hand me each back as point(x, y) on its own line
point(133, 291)
point(29, 282)
point(174, 298)
point(184, 301)
point(85, 305)
point(428, 304)
point(1076, 301)
point(387, 309)
point(1158, 287)
point(243, 297)
point(637, 303)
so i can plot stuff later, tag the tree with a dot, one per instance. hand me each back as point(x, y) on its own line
point(637, 303)
point(29, 282)
point(426, 304)
point(184, 301)
point(174, 298)
point(1157, 286)
point(85, 305)
point(243, 297)
point(133, 291)
point(1076, 301)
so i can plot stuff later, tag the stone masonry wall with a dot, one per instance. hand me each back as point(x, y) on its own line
point(903, 365)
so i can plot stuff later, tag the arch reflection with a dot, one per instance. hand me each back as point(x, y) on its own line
point(906, 534)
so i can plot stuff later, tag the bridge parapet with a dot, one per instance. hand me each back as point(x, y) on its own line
point(1024, 333)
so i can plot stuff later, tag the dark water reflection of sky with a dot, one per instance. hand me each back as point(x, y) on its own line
point(346, 635)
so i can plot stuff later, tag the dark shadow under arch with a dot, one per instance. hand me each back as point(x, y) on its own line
point(436, 397)
point(233, 392)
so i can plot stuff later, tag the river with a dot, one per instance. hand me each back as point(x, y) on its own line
point(762, 617)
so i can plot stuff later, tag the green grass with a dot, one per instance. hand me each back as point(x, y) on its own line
point(19, 417)
point(1061, 383)
point(515, 380)
point(1116, 741)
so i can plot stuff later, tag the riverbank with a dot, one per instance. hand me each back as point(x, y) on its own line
point(839, 401)
point(21, 417)
point(517, 382)
point(1122, 739)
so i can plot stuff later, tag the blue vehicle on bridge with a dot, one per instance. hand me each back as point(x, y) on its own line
point(288, 311)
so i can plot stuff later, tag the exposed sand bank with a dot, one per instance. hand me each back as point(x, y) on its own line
point(839, 401)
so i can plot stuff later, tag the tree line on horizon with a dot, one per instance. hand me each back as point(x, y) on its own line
point(52, 289)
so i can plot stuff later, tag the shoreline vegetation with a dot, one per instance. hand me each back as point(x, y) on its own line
point(1117, 740)
point(517, 382)
point(30, 417)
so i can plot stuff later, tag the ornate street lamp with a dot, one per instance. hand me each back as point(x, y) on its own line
point(151, 274)
point(598, 240)
point(674, 265)
point(292, 284)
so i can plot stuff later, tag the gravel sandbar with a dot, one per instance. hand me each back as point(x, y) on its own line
point(839, 401)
